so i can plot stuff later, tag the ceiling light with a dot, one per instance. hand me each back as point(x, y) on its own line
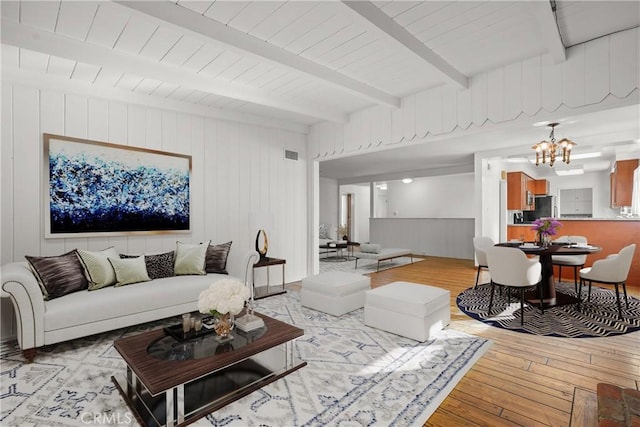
point(548, 149)
point(407, 180)
point(569, 172)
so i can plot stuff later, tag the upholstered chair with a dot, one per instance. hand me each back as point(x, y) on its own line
point(480, 244)
point(510, 267)
point(613, 270)
point(575, 261)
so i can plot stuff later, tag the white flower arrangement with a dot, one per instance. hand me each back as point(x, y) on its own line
point(222, 297)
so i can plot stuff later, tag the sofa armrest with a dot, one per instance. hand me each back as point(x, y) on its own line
point(19, 283)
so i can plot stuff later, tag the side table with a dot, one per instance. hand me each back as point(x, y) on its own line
point(267, 262)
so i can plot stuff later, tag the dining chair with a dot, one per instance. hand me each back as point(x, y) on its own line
point(612, 270)
point(480, 245)
point(575, 261)
point(511, 268)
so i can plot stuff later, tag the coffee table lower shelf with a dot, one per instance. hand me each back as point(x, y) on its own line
point(201, 396)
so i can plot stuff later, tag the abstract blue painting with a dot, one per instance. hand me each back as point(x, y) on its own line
point(96, 187)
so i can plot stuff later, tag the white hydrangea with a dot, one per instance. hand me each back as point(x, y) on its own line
point(223, 296)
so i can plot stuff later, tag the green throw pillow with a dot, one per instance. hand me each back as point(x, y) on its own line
point(129, 270)
point(97, 268)
point(190, 259)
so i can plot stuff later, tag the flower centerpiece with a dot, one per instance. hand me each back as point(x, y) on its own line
point(545, 228)
point(223, 299)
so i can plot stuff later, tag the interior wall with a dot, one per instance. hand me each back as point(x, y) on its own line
point(598, 181)
point(236, 169)
point(448, 196)
point(329, 202)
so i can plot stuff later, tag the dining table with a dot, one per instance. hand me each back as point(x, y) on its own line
point(551, 297)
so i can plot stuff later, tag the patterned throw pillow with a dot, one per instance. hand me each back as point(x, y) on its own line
point(217, 255)
point(97, 268)
point(58, 275)
point(158, 265)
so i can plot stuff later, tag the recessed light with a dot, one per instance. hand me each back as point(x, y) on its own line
point(569, 172)
point(407, 180)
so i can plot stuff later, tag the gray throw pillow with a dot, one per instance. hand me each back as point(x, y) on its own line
point(372, 248)
point(58, 275)
point(216, 260)
point(97, 268)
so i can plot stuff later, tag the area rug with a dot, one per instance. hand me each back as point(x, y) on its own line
point(365, 266)
point(597, 318)
point(355, 375)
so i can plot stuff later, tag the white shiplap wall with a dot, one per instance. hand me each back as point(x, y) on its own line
point(236, 169)
point(605, 71)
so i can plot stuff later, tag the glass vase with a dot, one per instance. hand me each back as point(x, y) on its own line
point(223, 325)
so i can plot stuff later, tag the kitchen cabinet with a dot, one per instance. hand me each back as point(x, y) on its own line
point(622, 182)
point(540, 187)
point(520, 188)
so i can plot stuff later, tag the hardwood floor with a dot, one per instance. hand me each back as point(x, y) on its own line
point(523, 380)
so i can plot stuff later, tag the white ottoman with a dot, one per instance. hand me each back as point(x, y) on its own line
point(409, 309)
point(334, 292)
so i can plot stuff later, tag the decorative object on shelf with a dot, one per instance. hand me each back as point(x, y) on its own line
point(545, 228)
point(551, 147)
point(265, 244)
point(223, 300)
point(343, 232)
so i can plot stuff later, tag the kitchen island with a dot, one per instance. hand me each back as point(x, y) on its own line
point(611, 234)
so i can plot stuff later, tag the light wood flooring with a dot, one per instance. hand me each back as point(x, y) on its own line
point(523, 380)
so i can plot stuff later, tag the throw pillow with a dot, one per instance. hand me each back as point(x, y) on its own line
point(158, 265)
point(98, 270)
point(372, 248)
point(216, 259)
point(58, 275)
point(324, 232)
point(129, 270)
point(190, 259)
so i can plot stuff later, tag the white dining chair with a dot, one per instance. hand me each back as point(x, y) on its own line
point(575, 261)
point(480, 245)
point(612, 270)
point(511, 268)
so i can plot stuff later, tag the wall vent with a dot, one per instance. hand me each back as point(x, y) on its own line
point(291, 155)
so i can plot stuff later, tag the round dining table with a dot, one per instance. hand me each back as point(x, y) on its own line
point(550, 296)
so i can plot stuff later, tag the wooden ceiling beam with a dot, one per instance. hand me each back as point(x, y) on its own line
point(183, 19)
point(384, 24)
point(61, 46)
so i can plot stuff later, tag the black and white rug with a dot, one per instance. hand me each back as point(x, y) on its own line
point(597, 318)
point(355, 376)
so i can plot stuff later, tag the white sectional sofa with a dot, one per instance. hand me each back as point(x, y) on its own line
point(42, 322)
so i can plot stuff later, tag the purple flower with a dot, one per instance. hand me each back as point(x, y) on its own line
point(546, 226)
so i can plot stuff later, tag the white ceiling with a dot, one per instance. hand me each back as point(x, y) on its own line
point(294, 61)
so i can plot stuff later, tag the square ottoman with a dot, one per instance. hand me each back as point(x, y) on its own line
point(409, 309)
point(334, 292)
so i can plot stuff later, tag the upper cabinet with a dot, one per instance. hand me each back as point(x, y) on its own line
point(622, 182)
point(520, 190)
point(540, 187)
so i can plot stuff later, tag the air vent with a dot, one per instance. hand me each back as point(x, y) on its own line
point(291, 155)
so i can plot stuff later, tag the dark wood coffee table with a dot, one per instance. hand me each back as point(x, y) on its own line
point(173, 382)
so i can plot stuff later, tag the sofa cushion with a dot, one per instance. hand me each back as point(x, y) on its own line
point(190, 259)
point(58, 275)
point(371, 248)
point(97, 268)
point(216, 258)
point(129, 270)
point(158, 265)
point(112, 302)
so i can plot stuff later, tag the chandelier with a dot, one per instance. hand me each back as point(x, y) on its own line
point(550, 149)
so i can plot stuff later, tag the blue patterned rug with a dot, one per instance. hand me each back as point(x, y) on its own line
point(355, 375)
point(596, 318)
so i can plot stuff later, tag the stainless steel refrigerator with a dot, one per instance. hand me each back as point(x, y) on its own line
point(544, 209)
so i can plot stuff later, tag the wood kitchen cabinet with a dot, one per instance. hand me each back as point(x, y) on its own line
point(540, 187)
point(622, 182)
point(520, 189)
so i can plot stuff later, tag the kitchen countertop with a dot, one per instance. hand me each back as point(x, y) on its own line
point(636, 219)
